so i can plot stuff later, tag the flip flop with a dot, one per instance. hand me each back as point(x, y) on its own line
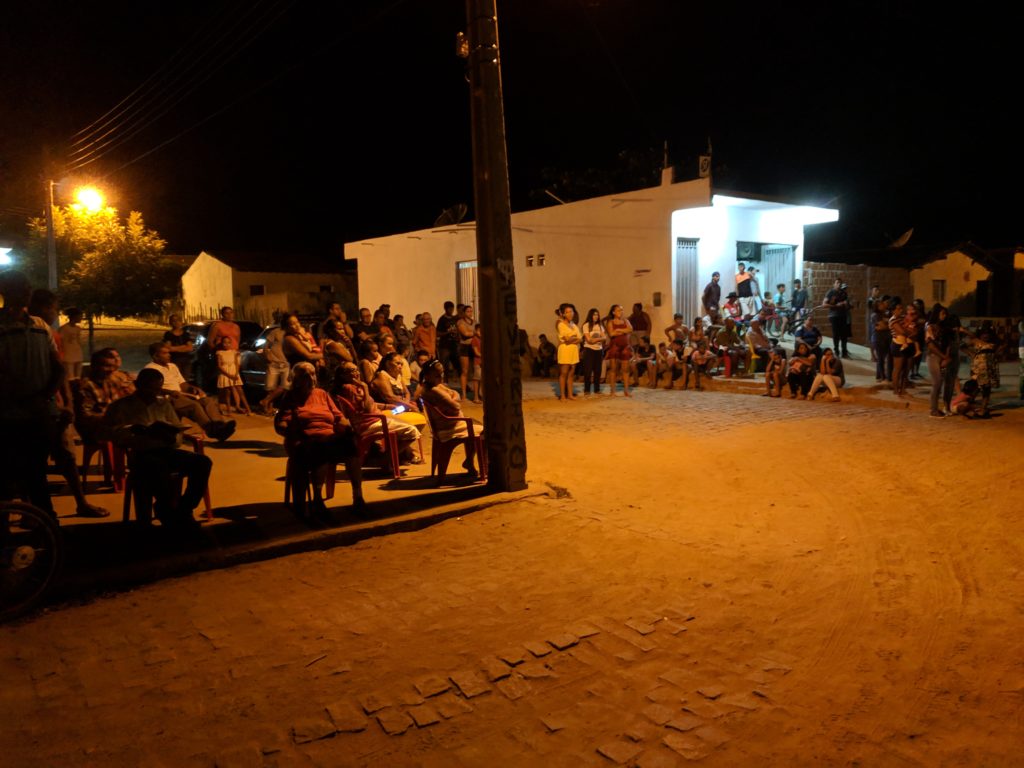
point(91, 510)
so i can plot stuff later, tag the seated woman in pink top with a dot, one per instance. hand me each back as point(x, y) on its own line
point(317, 436)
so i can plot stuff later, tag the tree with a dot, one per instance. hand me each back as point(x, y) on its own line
point(104, 266)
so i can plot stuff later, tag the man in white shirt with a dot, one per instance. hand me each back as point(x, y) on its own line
point(188, 400)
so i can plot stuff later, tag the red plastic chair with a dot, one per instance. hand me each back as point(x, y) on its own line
point(441, 450)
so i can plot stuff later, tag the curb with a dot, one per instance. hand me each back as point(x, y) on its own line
point(131, 575)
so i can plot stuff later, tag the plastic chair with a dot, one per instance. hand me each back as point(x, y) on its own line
point(111, 456)
point(143, 507)
point(441, 450)
point(385, 438)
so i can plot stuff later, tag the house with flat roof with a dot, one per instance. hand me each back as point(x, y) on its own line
point(260, 285)
point(656, 246)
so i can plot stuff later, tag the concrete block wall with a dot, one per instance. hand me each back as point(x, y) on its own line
point(818, 278)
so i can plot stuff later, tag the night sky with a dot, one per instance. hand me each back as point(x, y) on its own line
point(294, 125)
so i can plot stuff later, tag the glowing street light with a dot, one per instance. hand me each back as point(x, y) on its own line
point(89, 198)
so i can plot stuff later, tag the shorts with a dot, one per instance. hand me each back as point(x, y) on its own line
point(466, 350)
point(617, 352)
point(278, 376)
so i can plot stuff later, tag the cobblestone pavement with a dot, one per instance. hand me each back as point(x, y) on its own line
point(718, 579)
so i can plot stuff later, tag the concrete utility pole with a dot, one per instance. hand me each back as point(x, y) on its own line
point(51, 242)
point(503, 386)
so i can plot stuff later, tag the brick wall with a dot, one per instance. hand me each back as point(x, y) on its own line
point(818, 278)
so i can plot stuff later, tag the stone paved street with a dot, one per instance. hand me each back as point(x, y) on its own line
point(712, 578)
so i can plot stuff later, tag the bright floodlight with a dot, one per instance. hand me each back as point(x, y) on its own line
point(5, 257)
point(90, 198)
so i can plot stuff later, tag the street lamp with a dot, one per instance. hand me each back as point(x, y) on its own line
point(89, 198)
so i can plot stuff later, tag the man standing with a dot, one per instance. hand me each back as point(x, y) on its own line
point(147, 424)
point(188, 401)
point(873, 297)
point(448, 340)
point(226, 326)
point(838, 308)
point(798, 303)
point(31, 372)
point(712, 296)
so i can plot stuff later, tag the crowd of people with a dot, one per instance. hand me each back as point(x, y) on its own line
point(338, 384)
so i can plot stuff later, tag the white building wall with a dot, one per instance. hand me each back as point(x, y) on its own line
point(594, 253)
point(205, 287)
point(617, 249)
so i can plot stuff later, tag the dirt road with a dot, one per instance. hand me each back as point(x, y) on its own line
point(729, 580)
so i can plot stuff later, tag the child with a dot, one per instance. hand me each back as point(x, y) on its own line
point(229, 380)
point(963, 403)
point(774, 374)
point(71, 343)
point(698, 363)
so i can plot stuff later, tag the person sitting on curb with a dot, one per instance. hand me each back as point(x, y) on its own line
point(730, 345)
point(698, 363)
point(146, 423)
point(189, 401)
point(800, 372)
point(775, 373)
point(830, 374)
point(809, 334)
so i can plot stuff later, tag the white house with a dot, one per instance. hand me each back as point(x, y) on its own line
point(258, 285)
point(656, 246)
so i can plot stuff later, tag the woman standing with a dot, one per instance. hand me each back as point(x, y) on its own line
point(299, 346)
point(901, 349)
point(619, 353)
point(938, 354)
point(466, 328)
point(568, 350)
point(594, 338)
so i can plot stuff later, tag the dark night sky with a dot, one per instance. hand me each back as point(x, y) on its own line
point(299, 126)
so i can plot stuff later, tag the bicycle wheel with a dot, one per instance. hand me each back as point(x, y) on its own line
point(31, 555)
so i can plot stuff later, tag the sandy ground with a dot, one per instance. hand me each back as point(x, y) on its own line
point(729, 581)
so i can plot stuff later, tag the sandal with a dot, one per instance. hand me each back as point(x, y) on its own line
point(91, 510)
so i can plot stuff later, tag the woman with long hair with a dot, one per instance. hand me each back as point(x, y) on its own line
point(466, 328)
point(619, 353)
point(594, 339)
point(568, 350)
point(937, 341)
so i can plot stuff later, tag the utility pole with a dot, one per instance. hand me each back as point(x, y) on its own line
point(503, 408)
point(51, 241)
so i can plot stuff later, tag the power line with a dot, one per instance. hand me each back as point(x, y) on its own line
point(265, 84)
point(128, 129)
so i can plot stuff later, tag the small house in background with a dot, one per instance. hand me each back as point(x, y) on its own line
point(973, 282)
point(655, 246)
point(259, 286)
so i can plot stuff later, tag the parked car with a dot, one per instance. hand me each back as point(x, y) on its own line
point(254, 364)
point(204, 361)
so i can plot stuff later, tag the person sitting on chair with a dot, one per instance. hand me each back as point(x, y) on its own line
point(446, 401)
point(317, 436)
point(352, 395)
point(188, 400)
point(146, 423)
